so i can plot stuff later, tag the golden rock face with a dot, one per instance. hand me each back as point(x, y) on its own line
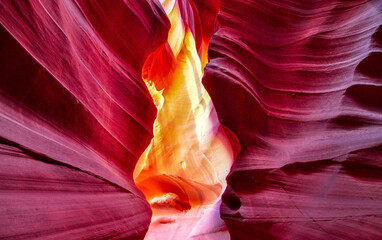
point(190, 154)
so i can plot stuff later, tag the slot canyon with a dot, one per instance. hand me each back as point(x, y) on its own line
point(191, 119)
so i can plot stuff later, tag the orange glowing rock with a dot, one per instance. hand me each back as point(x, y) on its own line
point(190, 154)
point(169, 201)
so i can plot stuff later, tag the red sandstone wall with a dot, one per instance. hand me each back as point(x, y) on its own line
point(75, 116)
point(300, 83)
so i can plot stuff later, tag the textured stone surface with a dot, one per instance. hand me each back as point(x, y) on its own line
point(300, 84)
point(70, 124)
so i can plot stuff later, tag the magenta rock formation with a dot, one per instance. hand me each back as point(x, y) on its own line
point(299, 82)
point(75, 116)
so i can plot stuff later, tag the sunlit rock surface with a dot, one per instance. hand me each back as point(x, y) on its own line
point(300, 83)
point(190, 155)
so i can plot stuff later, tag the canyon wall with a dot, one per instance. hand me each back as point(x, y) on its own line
point(300, 83)
point(75, 117)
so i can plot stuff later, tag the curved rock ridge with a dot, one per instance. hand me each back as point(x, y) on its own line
point(71, 130)
point(300, 83)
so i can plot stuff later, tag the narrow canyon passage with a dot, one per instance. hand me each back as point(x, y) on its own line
point(182, 172)
point(121, 119)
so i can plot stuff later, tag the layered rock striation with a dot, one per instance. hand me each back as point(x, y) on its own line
point(75, 116)
point(300, 84)
point(97, 97)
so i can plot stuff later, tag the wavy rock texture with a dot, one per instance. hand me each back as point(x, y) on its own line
point(300, 83)
point(70, 126)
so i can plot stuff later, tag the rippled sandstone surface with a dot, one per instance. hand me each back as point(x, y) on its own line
point(304, 81)
point(103, 113)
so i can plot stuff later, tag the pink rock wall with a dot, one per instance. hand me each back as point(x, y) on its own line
point(300, 83)
point(71, 129)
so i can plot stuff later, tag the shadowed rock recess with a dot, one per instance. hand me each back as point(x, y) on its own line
point(191, 119)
